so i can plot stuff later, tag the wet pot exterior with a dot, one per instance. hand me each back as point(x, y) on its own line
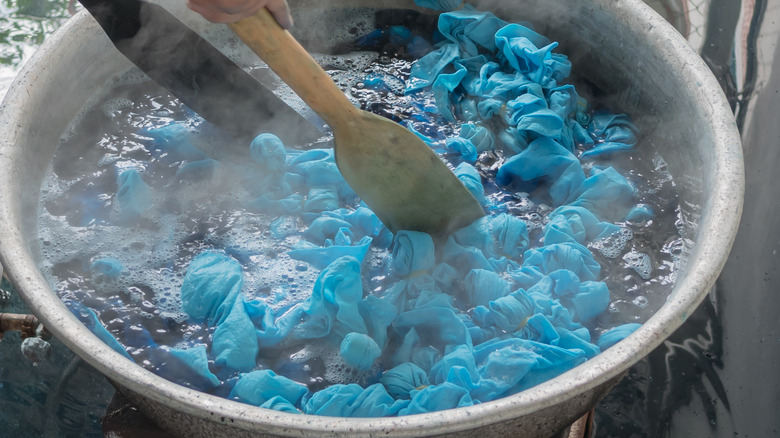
point(621, 46)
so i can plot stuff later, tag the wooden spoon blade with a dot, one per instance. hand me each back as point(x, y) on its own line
point(401, 179)
point(390, 168)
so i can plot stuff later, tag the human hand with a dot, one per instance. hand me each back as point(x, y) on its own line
point(228, 11)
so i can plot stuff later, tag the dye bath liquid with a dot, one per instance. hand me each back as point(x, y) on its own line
point(141, 187)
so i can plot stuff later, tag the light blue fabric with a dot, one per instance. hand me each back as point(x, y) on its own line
point(483, 286)
point(333, 307)
point(133, 194)
point(269, 152)
point(436, 398)
point(413, 252)
point(359, 351)
point(576, 224)
point(322, 256)
point(234, 342)
point(261, 386)
point(472, 141)
point(615, 335)
point(354, 401)
point(470, 178)
point(107, 268)
point(90, 319)
point(401, 380)
point(211, 285)
point(640, 213)
point(508, 313)
point(187, 367)
point(440, 5)
point(439, 326)
point(612, 133)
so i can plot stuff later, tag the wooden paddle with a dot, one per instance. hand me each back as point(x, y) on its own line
point(397, 175)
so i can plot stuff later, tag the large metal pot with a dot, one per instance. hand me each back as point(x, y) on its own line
point(620, 45)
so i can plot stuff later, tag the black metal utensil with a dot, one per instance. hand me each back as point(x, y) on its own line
point(194, 71)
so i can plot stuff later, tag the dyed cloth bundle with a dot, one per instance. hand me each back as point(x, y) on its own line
point(490, 312)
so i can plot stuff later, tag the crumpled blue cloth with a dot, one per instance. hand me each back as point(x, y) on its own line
point(576, 224)
point(471, 178)
point(440, 5)
point(187, 367)
point(483, 286)
point(610, 133)
point(471, 141)
point(436, 398)
point(133, 194)
point(210, 293)
point(90, 319)
point(211, 285)
point(495, 310)
point(107, 268)
point(354, 401)
point(401, 380)
point(413, 252)
point(333, 307)
point(359, 351)
point(269, 152)
point(262, 386)
point(615, 335)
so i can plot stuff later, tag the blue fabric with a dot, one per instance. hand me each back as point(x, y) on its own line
point(440, 5)
point(483, 286)
point(354, 401)
point(576, 224)
point(133, 194)
point(470, 178)
point(436, 398)
point(261, 386)
point(187, 367)
point(496, 309)
point(333, 306)
point(401, 380)
point(611, 133)
point(90, 319)
point(413, 252)
point(439, 326)
point(508, 313)
point(107, 268)
point(269, 152)
point(640, 213)
point(322, 256)
point(271, 330)
point(359, 351)
point(234, 342)
point(615, 335)
point(211, 285)
point(472, 141)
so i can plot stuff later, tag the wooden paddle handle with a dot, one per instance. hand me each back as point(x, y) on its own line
point(285, 56)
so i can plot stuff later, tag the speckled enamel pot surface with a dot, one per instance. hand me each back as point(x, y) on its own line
point(622, 46)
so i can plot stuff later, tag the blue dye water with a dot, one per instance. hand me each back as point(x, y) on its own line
point(194, 196)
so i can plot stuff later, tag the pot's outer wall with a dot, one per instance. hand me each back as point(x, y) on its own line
point(620, 45)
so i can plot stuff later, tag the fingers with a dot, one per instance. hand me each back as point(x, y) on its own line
point(228, 11)
point(280, 11)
